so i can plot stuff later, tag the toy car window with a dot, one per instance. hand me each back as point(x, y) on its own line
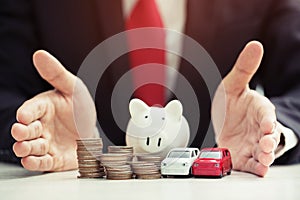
point(193, 153)
point(210, 154)
point(179, 154)
point(227, 153)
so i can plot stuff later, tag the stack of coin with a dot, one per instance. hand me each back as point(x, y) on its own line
point(150, 159)
point(116, 166)
point(126, 150)
point(88, 154)
point(120, 149)
point(118, 172)
point(145, 170)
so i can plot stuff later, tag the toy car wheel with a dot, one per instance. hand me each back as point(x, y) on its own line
point(222, 173)
point(229, 172)
point(191, 172)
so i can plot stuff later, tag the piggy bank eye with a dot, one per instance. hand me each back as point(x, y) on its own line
point(146, 117)
point(163, 118)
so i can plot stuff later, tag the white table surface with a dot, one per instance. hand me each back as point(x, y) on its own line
point(282, 182)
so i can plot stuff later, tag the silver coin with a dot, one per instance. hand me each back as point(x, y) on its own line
point(91, 175)
point(152, 176)
point(112, 163)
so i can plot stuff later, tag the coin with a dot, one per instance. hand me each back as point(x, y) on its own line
point(147, 166)
point(91, 175)
point(112, 163)
point(88, 153)
point(115, 162)
point(89, 162)
point(149, 176)
point(119, 175)
point(150, 158)
point(118, 168)
point(114, 157)
point(120, 149)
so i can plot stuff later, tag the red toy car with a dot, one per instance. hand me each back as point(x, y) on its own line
point(212, 162)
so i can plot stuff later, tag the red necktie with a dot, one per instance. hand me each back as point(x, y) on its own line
point(146, 14)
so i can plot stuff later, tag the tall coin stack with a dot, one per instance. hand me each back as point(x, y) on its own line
point(88, 154)
point(116, 166)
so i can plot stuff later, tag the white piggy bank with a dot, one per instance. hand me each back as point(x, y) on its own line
point(156, 130)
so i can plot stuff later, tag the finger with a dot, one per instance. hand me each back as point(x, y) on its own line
point(245, 67)
point(266, 158)
point(21, 132)
point(262, 157)
point(268, 143)
point(32, 110)
point(270, 130)
point(38, 163)
point(53, 72)
point(266, 115)
point(255, 167)
point(267, 123)
point(37, 147)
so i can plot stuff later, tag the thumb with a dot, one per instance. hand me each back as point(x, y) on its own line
point(53, 72)
point(244, 69)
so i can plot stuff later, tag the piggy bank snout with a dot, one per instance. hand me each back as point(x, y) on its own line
point(153, 144)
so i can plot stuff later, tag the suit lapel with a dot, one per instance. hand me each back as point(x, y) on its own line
point(201, 22)
point(110, 17)
point(111, 21)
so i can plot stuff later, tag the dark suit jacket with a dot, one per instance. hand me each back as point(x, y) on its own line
point(70, 29)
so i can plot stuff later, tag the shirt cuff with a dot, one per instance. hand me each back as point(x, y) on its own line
point(290, 140)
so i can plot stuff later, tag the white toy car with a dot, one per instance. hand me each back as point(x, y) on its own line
point(179, 161)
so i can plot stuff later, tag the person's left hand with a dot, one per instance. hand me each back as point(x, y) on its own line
point(246, 123)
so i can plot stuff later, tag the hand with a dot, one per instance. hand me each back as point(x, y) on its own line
point(49, 124)
point(246, 123)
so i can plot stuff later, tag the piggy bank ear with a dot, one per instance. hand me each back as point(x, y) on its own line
point(174, 109)
point(138, 108)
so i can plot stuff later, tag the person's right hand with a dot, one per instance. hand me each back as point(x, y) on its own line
point(245, 122)
point(49, 123)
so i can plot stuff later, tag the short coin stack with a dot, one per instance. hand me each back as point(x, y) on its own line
point(150, 159)
point(88, 153)
point(116, 166)
point(145, 170)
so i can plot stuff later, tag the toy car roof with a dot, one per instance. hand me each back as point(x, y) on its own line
point(184, 149)
point(214, 149)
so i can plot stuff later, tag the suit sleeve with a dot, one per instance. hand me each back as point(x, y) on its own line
point(281, 68)
point(19, 80)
